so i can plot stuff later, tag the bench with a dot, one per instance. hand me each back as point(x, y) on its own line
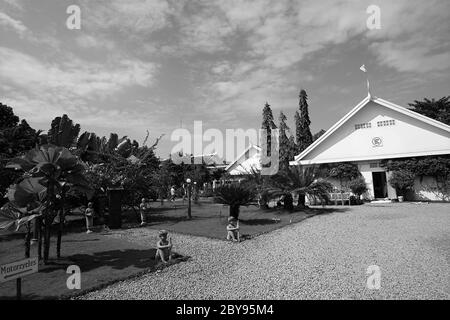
point(340, 196)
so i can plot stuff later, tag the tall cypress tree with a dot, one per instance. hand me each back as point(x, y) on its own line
point(302, 123)
point(284, 143)
point(268, 124)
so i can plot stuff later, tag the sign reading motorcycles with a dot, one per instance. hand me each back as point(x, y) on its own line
point(18, 269)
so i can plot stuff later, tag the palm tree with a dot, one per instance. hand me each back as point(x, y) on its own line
point(234, 195)
point(301, 181)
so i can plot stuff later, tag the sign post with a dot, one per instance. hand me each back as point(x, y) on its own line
point(17, 270)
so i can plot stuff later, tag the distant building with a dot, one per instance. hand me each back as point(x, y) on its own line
point(377, 130)
point(246, 163)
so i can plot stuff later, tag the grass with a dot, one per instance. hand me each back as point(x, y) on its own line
point(103, 260)
point(210, 219)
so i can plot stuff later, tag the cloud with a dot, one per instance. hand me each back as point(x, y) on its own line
point(88, 41)
point(73, 78)
point(137, 16)
point(16, 25)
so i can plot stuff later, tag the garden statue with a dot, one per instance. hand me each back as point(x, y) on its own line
point(143, 210)
point(164, 247)
point(233, 229)
point(89, 213)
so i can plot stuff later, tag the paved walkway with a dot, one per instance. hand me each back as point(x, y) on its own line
point(323, 257)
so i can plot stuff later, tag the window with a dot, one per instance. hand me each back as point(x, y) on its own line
point(386, 123)
point(363, 126)
point(374, 165)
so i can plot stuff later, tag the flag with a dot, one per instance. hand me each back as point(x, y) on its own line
point(363, 68)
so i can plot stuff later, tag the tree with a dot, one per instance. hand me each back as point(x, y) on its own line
point(435, 109)
point(7, 117)
point(16, 137)
point(56, 169)
point(285, 147)
point(301, 181)
point(317, 135)
point(235, 196)
point(358, 186)
point(302, 123)
point(63, 133)
point(343, 171)
point(268, 124)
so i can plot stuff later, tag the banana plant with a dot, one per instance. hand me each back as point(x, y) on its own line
point(56, 169)
point(25, 205)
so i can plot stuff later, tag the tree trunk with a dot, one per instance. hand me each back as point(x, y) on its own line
point(39, 235)
point(234, 211)
point(47, 234)
point(60, 232)
point(301, 201)
point(28, 241)
point(288, 202)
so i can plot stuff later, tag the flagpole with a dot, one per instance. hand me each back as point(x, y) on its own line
point(363, 69)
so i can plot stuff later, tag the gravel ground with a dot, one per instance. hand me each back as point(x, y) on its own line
point(323, 257)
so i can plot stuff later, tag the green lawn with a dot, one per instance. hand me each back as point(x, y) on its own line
point(210, 219)
point(102, 260)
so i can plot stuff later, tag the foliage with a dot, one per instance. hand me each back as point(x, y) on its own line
point(302, 123)
point(285, 154)
point(358, 186)
point(63, 132)
point(343, 171)
point(235, 196)
point(7, 117)
point(301, 181)
point(268, 124)
point(317, 135)
point(16, 137)
point(402, 180)
point(55, 170)
point(435, 109)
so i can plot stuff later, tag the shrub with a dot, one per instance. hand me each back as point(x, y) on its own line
point(358, 186)
point(402, 181)
point(234, 196)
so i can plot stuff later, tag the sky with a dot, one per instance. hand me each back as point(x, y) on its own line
point(159, 65)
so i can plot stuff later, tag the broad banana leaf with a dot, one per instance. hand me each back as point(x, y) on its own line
point(27, 192)
point(13, 217)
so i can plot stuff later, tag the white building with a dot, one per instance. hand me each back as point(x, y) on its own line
point(377, 130)
point(245, 163)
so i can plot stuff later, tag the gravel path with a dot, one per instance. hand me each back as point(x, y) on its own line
point(324, 257)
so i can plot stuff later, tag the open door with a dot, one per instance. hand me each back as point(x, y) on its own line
point(379, 185)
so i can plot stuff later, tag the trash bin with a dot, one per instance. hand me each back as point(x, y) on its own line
point(115, 207)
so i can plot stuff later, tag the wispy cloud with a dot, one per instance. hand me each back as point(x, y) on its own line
point(13, 24)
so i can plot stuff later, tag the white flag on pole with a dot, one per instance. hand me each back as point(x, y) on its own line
point(363, 68)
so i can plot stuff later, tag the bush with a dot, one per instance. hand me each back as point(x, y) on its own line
point(234, 196)
point(402, 181)
point(358, 186)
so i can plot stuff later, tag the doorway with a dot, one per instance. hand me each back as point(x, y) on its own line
point(379, 184)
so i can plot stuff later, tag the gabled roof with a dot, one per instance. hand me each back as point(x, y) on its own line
point(358, 107)
point(252, 146)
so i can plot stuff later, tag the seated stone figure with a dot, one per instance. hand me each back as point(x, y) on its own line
point(164, 247)
point(233, 229)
